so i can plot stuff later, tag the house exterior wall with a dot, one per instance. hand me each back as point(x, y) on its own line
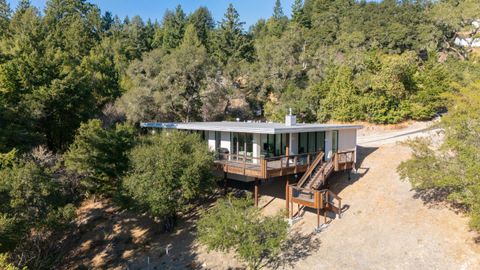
point(256, 147)
point(211, 140)
point(347, 140)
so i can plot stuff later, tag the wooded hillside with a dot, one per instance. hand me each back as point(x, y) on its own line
point(332, 60)
point(75, 81)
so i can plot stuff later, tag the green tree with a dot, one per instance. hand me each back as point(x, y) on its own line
point(204, 24)
point(168, 87)
point(231, 43)
point(341, 101)
point(451, 168)
point(278, 22)
point(100, 155)
point(30, 198)
point(234, 224)
point(298, 14)
point(167, 172)
point(457, 19)
point(5, 14)
point(173, 28)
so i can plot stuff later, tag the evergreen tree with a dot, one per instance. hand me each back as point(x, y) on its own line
point(203, 22)
point(298, 14)
point(23, 5)
point(231, 43)
point(173, 28)
point(5, 13)
point(107, 21)
point(278, 22)
point(278, 11)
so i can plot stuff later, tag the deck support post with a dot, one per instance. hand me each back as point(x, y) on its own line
point(287, 195)
point(225, 183)
point(256, 192)
point(318, 217)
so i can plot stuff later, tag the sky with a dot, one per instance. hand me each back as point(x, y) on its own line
point(250, 10)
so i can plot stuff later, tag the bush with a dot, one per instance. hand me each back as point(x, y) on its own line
point(99, 155)
point(167, 171)
point(453, 167)
point(5, 265)
point(235, 224)
point(30, 198)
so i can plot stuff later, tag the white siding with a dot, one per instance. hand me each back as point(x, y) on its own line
point(256, 147)
point(347, 140)
point(211, 140)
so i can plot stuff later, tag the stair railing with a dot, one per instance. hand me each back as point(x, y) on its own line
point(307, 174)
point(327, 194)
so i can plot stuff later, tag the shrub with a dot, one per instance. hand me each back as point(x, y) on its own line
point(452, 168)
point(99, 155)
point(167, 171)
point(235, 224)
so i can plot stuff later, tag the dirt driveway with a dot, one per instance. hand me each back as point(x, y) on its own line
point(386, 227)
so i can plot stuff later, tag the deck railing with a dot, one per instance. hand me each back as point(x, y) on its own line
point(344, 160)
point(265, 167)
point(318, 199)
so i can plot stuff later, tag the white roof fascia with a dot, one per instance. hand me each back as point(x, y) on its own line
point(252, 128)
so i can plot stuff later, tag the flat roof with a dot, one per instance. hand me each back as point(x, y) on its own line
point(250, 127)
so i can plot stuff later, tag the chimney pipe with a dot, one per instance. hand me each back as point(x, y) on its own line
point(290, 120)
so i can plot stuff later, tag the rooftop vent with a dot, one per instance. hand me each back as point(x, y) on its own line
point(290, 120)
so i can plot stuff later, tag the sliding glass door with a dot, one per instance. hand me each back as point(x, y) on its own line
point(274, 145)
point(311, 142)
point(242, 146)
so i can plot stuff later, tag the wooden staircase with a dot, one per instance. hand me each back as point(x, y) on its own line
point(310, 191)
point(316, 176)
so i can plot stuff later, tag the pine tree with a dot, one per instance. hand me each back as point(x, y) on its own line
point(232, 43)
point(173, 28)
point(278, 10)
point(203, 22)
point(298, 14)
point(23, 5)
point(5, 13)
point(278, 22)
point(107, 21)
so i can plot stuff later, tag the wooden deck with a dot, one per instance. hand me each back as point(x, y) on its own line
point(265, 168)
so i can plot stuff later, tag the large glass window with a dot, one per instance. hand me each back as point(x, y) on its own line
point(218, 139)
point(271, 145)
point(321, 141)
point(334, 141)
point(302, 143)
point(242, 146)
point(312, 147)
point(234, 143)
point(311, 142)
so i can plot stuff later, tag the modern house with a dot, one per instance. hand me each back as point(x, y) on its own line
point(252, 151)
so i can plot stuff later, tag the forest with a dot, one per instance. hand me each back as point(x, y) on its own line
point(75, 82)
